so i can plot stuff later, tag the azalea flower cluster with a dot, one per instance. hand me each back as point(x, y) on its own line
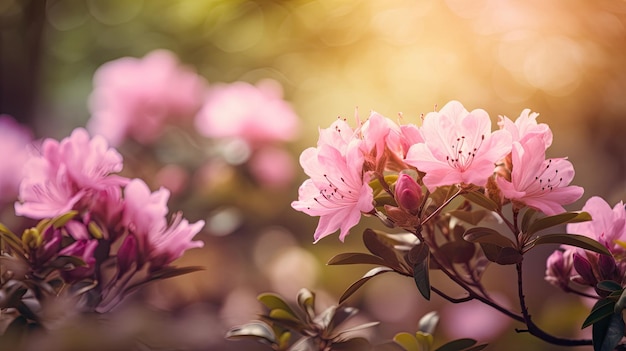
point(97, 229)
point(452, 147)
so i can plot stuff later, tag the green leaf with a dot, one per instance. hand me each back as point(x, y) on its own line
point(255, 330)
point(487, 235)
point(621, 302)
point(528, 216)
point(471, 217)
point(419, 256)
point(609, 286)
point(282, 315)
point(457, 345)
point(601, 309)
point(407, 341)
point(577, 240)
point(562, 218)
point(424, 340)
point(501, 255)
point(458, 251)
point(274, 301)
point(356, 285)
point(355, 258)
point(380, 245)
point(481, 200)
point(13, 240)
point(608, 332)
point(61, 220)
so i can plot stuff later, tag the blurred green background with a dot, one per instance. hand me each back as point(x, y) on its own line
point(563, 59)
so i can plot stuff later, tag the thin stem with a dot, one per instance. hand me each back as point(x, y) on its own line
point(436, 212)
point(450, 298)
point(533, 329)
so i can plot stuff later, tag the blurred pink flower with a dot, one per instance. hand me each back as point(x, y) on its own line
point(66, 172)
point(338, 190)
point(473, 319)
point(158, 242)
point(272, 167)
point(607, 225)
point(458, 147)
point(252, 113)
point(526, 127)
point(137, 98)
point(559, 268)
point(14, 141)
point(539, 183)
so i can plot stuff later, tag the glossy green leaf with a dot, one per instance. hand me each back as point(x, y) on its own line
point(458, 251)
point(577, 240)
point(355, 258)
point(274, 301)
point(419, 256)
point(487, 235)
point(608, 332)
point(380, 245)
point(471, 217)
point(562, 218)
point(609, 285)
point(601, 309)
point(280, 314)
point(481, 200)
point(457, 345)
point(621, 302)
point(407, 341)
point(359, 283)
point(501, 255)
point(256, 330)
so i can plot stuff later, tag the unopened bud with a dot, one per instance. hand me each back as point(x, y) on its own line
point(608, 268)
point(408, 193)
point(583, 267)
point(31, 238)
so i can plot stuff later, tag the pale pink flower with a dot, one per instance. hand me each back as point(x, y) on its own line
point(67, 172)
point(136, 98)
point(539, 183)
point(458, 148)
point(526, 127)
point(252, 113)
point(338, 190)
point(475, 319)
point(14, 141)
point(607, 225)
point(158, 243)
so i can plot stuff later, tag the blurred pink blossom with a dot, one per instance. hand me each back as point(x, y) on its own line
point(559, 268)
point(458, 148)
point(272, 167)
point(538, 182)
point(607, 225)
point(253, 113)
point(338, 190)
point(14, 141)
point(136, 98)
point(158, 242)
point(473, 319)
point(66, 172)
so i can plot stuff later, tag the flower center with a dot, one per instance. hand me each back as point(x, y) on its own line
point(462, 154)
point(332, 194)
point(549, 178)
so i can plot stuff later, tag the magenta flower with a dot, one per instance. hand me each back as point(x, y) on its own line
point(83, 249)
point(458, 148)
point(559, 268)
point(158, 243)
point(252, 113)
point(526, 127)
point(136, 98)
point(338, 190)
point(607, 225)
point(66, 172)
point(539, 183)
point(14, 141)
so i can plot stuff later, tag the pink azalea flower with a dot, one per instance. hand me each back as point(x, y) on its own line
point(83, 249)
point(607, 225)
point(252, 113)
point(526, 127)
point(273, 167)
point(137, 98)
point(158, 242)
point(458, 148)
point(66, 172)
point(559, 268)
point(539, 183)
point(338, 190)
point(14, 140)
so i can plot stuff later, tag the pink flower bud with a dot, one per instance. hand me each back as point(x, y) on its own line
point(583, 267)
point(408, 193)
point(608, 268)
point(558, 268)
point(127, 254)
